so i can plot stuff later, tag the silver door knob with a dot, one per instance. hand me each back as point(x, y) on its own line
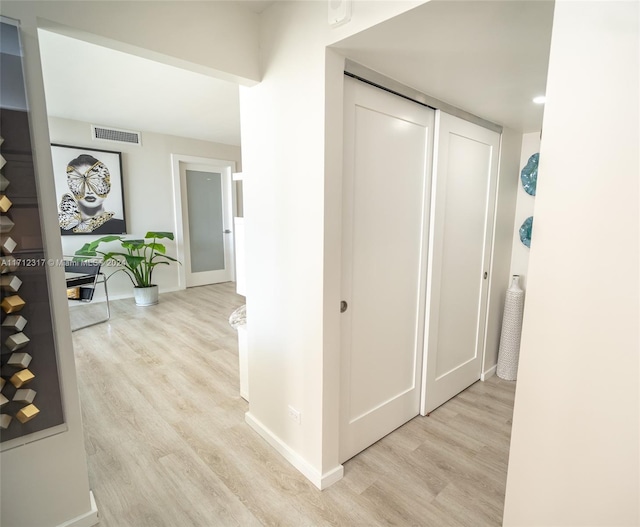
point(227, 231)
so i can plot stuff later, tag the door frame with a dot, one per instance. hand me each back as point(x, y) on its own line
point(226, 168)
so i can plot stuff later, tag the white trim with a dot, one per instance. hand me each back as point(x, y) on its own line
point(176, 159)
point(322, 481)
point(492, 298)
point(331, 477)
point(88, 519)
point(429, 294)
point(485, 375)
point(35, 436)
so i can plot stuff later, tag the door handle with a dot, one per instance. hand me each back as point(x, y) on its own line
point(343, 306)
point(227, 231)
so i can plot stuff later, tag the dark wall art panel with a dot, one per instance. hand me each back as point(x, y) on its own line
point(30, 398)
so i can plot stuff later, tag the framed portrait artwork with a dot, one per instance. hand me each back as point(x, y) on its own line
point(89, 190)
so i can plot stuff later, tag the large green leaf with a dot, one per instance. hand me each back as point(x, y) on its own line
point(106, 239)
point(86, 250)
point(133, 244)
point(90, 249)
point(159, 235)
point(133, 261)
point(157, 247)
point(167, 257)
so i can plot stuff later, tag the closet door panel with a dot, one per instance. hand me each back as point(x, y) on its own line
point(385, 210)
point(463, 202)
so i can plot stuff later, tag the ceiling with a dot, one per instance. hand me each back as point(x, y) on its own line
point(489, 58)
point(128, 92)
point(257, 6)
point(138, 94)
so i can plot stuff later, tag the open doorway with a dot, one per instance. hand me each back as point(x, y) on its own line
point(168, 110)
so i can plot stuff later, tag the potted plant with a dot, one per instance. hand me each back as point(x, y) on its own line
point(138, 260)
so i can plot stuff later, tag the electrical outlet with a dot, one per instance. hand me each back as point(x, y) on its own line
point(294, 414)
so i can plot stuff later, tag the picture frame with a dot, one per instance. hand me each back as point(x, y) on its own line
point(89, 190)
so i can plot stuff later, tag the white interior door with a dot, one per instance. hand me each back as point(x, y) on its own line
point(207, 219)
point(460, 254)
point(387, 160)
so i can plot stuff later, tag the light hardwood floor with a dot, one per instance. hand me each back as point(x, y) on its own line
point(168, 446)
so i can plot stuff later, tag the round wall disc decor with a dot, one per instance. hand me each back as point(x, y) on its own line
point(525, 231)
point(529, 175)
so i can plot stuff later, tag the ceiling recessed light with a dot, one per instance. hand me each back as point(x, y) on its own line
point(540, 99)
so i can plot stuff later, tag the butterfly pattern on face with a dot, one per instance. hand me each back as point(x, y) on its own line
point(69, 215)
point(70, 219)
point(96, 178)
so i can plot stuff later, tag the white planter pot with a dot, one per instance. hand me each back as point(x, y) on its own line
point(146, 296)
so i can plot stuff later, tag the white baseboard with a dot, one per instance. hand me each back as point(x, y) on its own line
point(331, 477)
point(489, 373)
point(87, 519)
point(322, 481)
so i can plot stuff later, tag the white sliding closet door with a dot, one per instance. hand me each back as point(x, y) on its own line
point(464, 184)
point(388, 157)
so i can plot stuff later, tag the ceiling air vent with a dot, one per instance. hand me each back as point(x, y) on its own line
point(115, 135)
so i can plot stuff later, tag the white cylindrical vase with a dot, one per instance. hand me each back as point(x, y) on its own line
point(509, 351)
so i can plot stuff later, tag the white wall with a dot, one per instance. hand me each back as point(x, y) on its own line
point(366, 14)
point(292, 230)
point(575, 443)
point(282, 122)
point(524, 208)
point(214, 38)
point(510, 146)
point(148, 189)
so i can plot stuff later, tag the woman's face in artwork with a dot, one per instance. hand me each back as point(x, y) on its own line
point(90, 184)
